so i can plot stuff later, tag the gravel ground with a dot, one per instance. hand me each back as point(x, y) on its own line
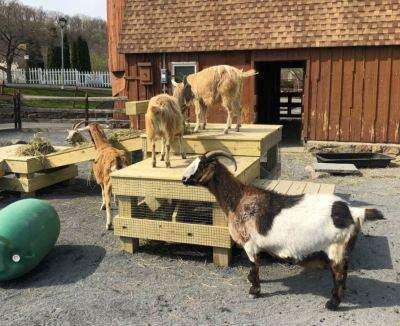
point(86, 280)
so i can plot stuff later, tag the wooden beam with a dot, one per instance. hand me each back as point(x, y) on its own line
point(136, 107)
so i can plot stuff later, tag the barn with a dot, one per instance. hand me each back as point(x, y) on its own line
point(346, 55)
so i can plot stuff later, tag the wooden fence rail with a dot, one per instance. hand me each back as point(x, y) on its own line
point(17, 99)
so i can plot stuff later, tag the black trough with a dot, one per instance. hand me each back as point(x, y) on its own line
point(360, 160)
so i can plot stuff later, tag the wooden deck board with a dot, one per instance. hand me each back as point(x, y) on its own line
point(295, 187)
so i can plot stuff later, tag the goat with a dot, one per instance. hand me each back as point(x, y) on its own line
point(164, 120)
point(108, 159)
point(218, 85)
point(74, 137)
point(301, 229)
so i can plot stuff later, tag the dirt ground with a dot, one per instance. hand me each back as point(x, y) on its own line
point(86, 280)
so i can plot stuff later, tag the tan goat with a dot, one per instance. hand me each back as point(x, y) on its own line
point(218, 85)
point(108, 159)
point(164, 120)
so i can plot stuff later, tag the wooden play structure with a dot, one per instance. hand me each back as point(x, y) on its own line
point(27, 174)
point(154, 204)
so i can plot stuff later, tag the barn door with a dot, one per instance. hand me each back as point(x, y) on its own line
point(139, 85)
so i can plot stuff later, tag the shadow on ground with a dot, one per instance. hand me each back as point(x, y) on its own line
point(361, 292)
point(65, 264)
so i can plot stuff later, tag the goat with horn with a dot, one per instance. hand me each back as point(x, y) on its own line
point(303, 229)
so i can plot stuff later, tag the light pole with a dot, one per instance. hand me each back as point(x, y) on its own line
point(62, 22)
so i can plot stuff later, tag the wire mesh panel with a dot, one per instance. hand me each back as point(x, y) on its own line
point(173, 210)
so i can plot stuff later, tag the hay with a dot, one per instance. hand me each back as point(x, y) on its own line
point(37, 146)
point(116, 135)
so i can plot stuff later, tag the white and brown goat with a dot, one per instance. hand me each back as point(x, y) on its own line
point(301, 229)
point(164, 120)
point(217, 85)
point(74, 137)
point(108, 159)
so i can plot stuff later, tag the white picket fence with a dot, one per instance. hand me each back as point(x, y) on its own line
point(70, 77)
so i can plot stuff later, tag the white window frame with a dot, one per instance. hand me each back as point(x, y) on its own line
point(182, 64)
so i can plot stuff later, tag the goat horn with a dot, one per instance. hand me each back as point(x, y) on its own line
point(84, 128)
point(216, 153)
point(76, 125)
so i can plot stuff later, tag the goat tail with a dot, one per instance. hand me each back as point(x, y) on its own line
point(362, 214)
point(249, 73)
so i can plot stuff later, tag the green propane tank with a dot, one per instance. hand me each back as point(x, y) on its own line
point(29, 229)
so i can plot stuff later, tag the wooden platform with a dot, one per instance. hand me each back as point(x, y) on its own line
point(143, 183)
point(251, 140)
point(65, 155)
point(295, 187)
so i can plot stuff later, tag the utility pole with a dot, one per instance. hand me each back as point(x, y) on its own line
point(62, 22)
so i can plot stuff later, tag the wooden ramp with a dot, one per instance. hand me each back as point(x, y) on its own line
point(295, 187)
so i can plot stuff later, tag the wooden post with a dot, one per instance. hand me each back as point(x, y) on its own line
point(138, 122)
point(272, 161)
point(86, 109)
point(75, 92)
point(125, 204)
point(221, 256)
point(19, 110)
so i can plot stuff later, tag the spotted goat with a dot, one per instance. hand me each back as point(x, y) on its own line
point(310, 228)
point(217, 85)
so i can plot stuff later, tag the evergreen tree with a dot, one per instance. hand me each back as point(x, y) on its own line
point(67, 57)
point(35, 56)
point(84, 57)
point(74, 55)
point(80, 57)
point(54, 57)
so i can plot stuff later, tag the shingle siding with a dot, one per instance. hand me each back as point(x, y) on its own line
point(154, 26)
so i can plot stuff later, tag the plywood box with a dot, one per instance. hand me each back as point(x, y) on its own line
point(251, 140)
point(154, 204)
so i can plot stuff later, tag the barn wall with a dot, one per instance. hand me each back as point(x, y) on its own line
point(350, 94)
point(353, 94)
point(115, 12)
point(238, 59)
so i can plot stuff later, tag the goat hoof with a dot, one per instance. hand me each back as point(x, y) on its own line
point(183, 157)
point(102, 207)
point(168, 164)
point(332, 304)
point(109, 227)
point(225, 131)
point(154, 164)
point(254, 292)
point(162, 158)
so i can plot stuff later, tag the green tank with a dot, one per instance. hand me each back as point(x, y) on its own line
point(29, 229)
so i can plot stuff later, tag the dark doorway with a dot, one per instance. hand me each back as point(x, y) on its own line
point(279, 87)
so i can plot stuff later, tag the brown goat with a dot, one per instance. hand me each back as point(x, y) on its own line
point(108, 159)
point(218, 85)
point(164, 120)
point(307, 228)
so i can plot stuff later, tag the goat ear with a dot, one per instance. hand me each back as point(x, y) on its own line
point(174, 83)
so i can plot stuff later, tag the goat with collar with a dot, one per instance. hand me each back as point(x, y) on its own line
point(302, 228)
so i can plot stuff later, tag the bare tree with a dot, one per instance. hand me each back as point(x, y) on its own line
point(19, 25)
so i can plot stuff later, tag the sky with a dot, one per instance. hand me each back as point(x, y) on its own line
point(92, 8)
